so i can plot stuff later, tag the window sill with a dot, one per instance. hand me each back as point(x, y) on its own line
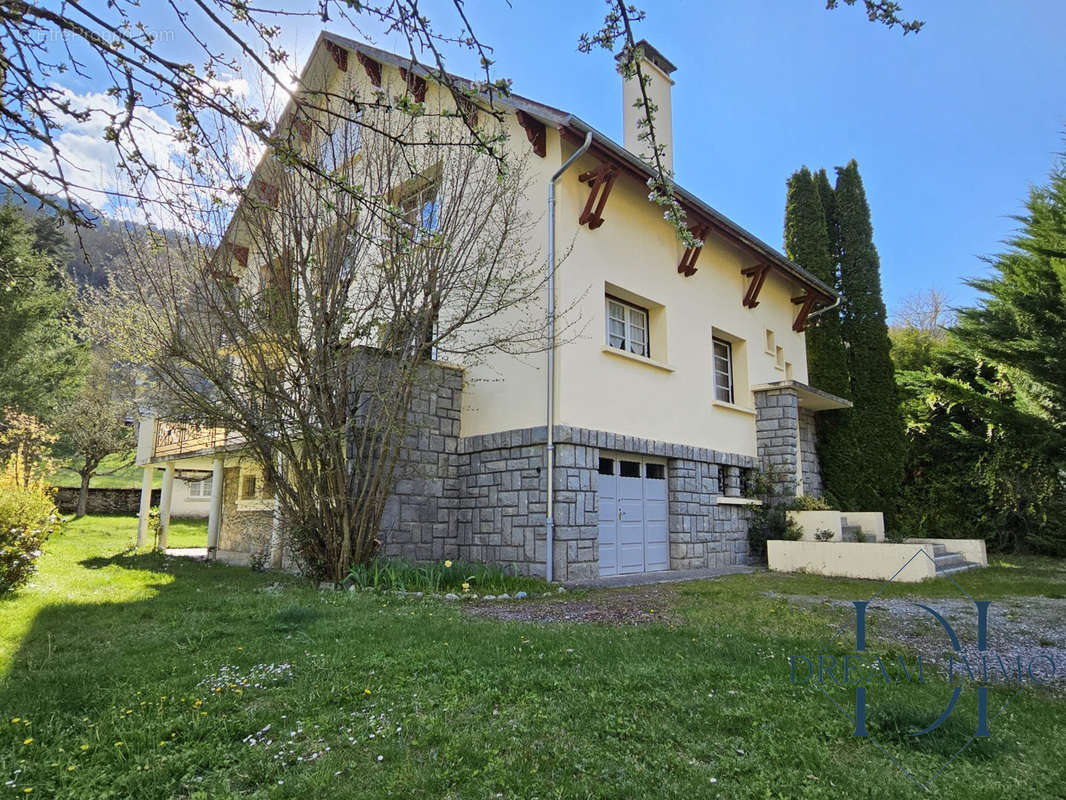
point(738, 501)
point(614, 351)
point(255, 505)
point(733, 407)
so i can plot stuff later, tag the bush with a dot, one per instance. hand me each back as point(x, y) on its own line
point(824, 535)
point(27, 517)
point(460, 577)
point(808, 502)
point(770, 522)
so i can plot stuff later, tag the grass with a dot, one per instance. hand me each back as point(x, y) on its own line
point(122, 475)
point(128, 674)
point(458, 577)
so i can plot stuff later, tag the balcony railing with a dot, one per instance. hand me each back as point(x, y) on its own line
point(180, 438)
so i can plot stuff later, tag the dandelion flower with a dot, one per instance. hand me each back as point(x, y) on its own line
point(28, 741)
point(466, 587)
point(366, 691)
point(85, 747)
point(447, 563)
point(118, 744)
point(16, 720)
point(71, 768)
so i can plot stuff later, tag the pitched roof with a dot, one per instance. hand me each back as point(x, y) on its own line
point(573, 127)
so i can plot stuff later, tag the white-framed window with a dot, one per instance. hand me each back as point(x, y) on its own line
point(723, 370)
point(343, 141)
point(627, 327)
point(200, 490)
point(421, 209)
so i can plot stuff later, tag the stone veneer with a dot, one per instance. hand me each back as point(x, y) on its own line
point(484, 498)
point(777, 439)
point(808, 446)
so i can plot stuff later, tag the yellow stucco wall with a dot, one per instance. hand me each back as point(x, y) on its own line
point(635, 254)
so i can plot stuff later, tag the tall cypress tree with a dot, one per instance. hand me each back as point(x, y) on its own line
point(875, 421)
point(807, 242)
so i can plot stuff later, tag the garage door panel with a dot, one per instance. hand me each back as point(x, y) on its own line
point(633, 530)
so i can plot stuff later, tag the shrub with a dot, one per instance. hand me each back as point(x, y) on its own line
point(27, 517)
point(808, 502)
point(461, 577)
point(823, 535)
point(770, 522)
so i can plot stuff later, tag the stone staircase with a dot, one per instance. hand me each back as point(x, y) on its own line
point(948, 562)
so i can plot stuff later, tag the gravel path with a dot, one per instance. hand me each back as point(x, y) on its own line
point(647, 605)
point(1026, 627)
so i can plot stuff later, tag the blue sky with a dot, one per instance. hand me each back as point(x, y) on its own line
point(950, 127)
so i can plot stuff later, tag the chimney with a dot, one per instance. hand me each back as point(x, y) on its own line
point(657, 69)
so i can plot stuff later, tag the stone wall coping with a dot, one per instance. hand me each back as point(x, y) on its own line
point(605, 440)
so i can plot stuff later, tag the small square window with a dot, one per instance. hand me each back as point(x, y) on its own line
point(723, 370)
point(655, 472)
point(606, 466)
point(248, 487)
point(630, 469)
point(627, 327)
point(771, 343)
point(779, 358)
point(344, 139)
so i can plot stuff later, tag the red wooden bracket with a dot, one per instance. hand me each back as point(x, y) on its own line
point(600, 181)
point(372, 67)
point(339, 54)
point(806, 303)
point(535, 132)
point(237, 252)
point(687, 267)
point(468, 109)
point(301, 126)
point(416, 84)
point(266, 192)
point(758, 278)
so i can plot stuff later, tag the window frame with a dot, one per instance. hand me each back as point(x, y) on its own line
point(200, 490)
point(627, 340)
point(351, 128)
point(728, 373)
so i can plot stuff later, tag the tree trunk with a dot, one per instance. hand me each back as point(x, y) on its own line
point(83, 496)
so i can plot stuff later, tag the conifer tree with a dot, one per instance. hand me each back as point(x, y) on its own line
point(807, 243)
point(875, 421)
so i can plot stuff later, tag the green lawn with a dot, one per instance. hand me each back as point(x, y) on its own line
point(130, 675)
point(121, 475)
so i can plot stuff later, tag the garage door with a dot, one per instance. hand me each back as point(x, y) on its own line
point(632, 502)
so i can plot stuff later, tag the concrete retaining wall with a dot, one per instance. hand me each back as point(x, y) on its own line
point(869, 561)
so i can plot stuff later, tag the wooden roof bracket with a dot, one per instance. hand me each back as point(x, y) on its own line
point(806, 303)
point(687, 267)
point(416, 84)
point(372, 67)
point(600, 181)
point(535, 132)
point(339, 55)
point(758, 278)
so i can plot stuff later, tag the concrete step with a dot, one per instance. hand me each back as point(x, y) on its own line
point(949, 560)
point(959, 568)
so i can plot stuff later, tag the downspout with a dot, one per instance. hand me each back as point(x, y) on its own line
point(814, 314)
point(549, 453)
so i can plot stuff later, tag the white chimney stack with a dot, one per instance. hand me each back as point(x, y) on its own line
point(657, 69)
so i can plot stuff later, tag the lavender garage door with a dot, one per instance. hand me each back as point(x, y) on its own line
point(632, 520)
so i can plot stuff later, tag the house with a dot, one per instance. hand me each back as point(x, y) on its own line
point(688, 375)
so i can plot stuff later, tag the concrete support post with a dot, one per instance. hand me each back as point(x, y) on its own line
point(214, 518)
point(276, 554)
point(164, 505)
point(148, 474)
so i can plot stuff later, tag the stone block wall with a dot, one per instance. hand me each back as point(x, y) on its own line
point(243, 534)
point(103, 501)
point(777, 439)
point(808, 445)
point(421, 514)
